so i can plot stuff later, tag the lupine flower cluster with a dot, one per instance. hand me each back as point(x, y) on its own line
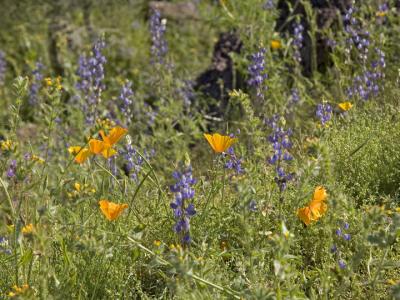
point(279, 138)
point(187, 93)
point(91, 76)
point(12, 169)
point(257, 75)
point(294, 97)
point(234, 163)
point(151, 114)
point(126, 101)
point(341, 234)
point(367, 83)
point(269, 4)
point(37, 78)
point(183, 210)
point(324, 113)
point(298, 39)
point(134, 162)
point(3, 67)
point(382, 9)
point(4, 245)
point(159, 46)
point(358, 38)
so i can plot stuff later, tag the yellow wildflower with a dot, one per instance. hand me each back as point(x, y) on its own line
point(77, 186)
point(345, 106)
point(381, 14)
point(58, 83)
point(28, 229)
point(157, 243)
point(37, 159)
point(276, 44)
point(48, 82)
point(6, 145)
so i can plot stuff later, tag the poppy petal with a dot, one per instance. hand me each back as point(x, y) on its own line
point(82, 156)
point(96, 146)
point(116, 134)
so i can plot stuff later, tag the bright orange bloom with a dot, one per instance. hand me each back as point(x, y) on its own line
point(316, 208)
point(81, 153)
point(104, 147)
point(111, 210)
point(220, 143)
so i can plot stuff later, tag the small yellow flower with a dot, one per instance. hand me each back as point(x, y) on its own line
point(6, 145)
point(276, 44)
point(37, 159)
point(381, 14)
point(345, 106)
point(398, 209)
point(28, 229)
point(58, 83)
point(391, 282)
point(157, 243)
point(18, 290)
point(48, 82)
point(220, 143)
point(77, 186)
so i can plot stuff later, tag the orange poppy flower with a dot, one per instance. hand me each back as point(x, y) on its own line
point(104, 147)
point(316, 208)
point(111, 210)
point(304, 214)
point(220, 143)
point(81, 153)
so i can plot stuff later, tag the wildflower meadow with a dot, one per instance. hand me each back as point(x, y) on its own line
point(200, 149)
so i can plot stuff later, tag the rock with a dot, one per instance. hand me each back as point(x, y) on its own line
point(177, 11)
